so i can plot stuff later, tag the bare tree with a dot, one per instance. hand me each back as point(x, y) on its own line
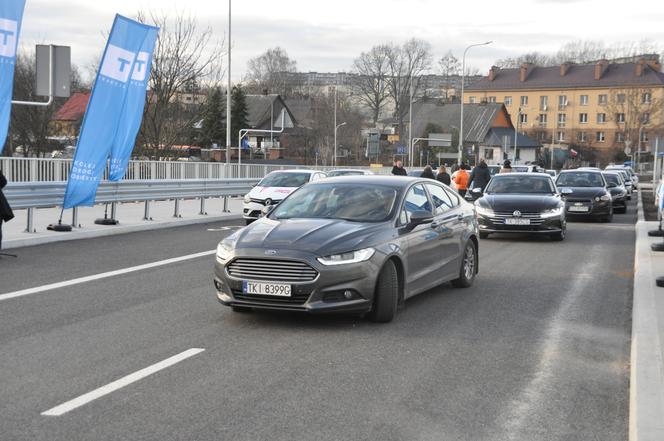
point(271, 70)
point(181, 62)
point(371, 80)
point(449, 69)
point(406, 64)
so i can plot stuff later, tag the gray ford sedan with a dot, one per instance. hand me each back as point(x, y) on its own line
point(359, 244)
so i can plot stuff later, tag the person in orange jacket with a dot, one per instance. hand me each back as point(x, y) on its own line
point(461, 180)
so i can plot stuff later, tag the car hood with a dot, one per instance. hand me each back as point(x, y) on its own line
point(320, 236)
point(521, 202)
point(274, 193)
point(584, 192)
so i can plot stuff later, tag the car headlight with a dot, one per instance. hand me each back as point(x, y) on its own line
point(346, 258)
point(247, 199)
point(483, 210)
point(552, 212)
point(604, 198)
point(225, 249)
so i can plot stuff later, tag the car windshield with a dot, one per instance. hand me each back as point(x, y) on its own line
point(285, 180)
point(351, 202)
point(580, 179)
point(612, 179)
point(505, 184)
point(344, 173)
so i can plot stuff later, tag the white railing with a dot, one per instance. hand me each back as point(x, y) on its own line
point(50, 170)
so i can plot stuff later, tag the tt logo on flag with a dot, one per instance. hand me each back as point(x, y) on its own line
point(117, 63)
point(140, 67)
point(8, 38)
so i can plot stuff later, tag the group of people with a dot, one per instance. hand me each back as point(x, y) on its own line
point(478, 178)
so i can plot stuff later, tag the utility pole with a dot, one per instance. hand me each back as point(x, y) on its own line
point(228, 96)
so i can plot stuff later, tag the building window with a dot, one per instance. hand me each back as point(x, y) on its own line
point(562, 119)
point(471, 100)
point(620, 118)
point(620, 98)
point(601, 118)
point(508, 101)
point(599, 137)
point(562, 101)
point(620, 137)
point(644, 136)
point(524, 100)
point(544, 103)
point(583, 118)
point(542, 119)
point(646, 98)
point(561, 136)
point(645, 119)
point(601, 99)
point(581, 137)
point(584, 100)
point(488, 154)
point(523, 118)
point(492, 99)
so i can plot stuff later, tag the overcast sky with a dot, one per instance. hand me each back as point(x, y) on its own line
point(327, 35)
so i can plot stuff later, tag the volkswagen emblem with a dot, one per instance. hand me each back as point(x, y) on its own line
point(517, 213)
point(271, 252)
point(268, 202)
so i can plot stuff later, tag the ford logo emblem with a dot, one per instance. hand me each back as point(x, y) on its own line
point(517, 213)
point(271, 252)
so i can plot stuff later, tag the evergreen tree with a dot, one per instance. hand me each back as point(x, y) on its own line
point(239, 113)
point(214, 123)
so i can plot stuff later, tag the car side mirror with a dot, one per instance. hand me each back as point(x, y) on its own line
point(420, 217)
point(611, 185)
point(477, 190)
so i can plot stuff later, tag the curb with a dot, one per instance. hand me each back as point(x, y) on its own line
point(79, 234)
point(646, 395)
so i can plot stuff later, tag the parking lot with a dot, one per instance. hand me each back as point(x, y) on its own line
point(537, 349)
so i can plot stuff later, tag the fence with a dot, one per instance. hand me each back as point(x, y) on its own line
point(53, 170)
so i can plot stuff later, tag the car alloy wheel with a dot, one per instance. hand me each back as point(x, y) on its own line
point(468, 267)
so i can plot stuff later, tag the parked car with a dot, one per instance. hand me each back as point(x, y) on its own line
point(521, 203)
point(627, 180)
point(616, 187)
point(348, 172)
point(350, 244)
point(634, 177)
point(417, 172)
point(551, 173)
point(527, 169)
point(273, 188)
point(586, 194)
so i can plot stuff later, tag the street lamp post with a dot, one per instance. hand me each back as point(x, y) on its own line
point(228, 95)
point(463, 75)
point(336, 127)
point(410, 121)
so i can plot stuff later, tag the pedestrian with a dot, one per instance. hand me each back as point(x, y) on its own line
point(398, 170)
point(461, 180)
point(428, 173)
point(443, 176)
point(507, 167)
point(6, 213)
point(480, 176)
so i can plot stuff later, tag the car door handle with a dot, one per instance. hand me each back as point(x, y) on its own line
point(436, 224)
point(460, 216)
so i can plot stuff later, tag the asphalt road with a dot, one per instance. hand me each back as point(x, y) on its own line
point(537, 349)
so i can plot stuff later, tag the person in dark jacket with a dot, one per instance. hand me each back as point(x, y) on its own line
point(6, 213)
point(480, 176)
point(443, 176)
point(507, 167)
point(428, 173)
point(398, 169)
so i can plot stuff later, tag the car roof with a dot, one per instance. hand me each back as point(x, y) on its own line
point(297, 170)
point(585, 170)
point(501, 175)
point(388, 180)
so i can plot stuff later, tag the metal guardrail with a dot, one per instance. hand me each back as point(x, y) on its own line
point(33, 195)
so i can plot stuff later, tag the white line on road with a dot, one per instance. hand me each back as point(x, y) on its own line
point(120, 383)
point(133, 269)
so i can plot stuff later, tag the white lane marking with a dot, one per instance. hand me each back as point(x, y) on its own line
point(133, 269)
point(120, 383)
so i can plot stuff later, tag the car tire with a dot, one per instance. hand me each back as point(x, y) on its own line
point(241, 309)
point(468, 266)
point(608, 219)
point(559, 236)
point(386, 296)
point(484, 235)
point(622, 210)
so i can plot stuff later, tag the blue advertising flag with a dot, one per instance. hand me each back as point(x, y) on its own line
point(132, 114)
point(11, 16)
point(104, 113)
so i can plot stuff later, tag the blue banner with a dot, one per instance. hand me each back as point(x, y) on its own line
point(11, 16)
point(132, 114)
point(104, 113)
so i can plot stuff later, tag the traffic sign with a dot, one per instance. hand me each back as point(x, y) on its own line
point(401, 150)
point(393, 138)
point(627, 150)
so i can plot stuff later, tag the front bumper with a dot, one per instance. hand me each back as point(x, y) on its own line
point(540, 226)
point(595, 209)
point(324, 294)
point(252, 210)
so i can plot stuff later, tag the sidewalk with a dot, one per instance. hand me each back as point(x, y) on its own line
point(130, 216)
point(647, 358)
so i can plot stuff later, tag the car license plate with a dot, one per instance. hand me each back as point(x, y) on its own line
point(517, 221)
point(266, 289)
point(582, 209)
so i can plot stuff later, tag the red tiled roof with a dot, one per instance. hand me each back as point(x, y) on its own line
point(74, 108)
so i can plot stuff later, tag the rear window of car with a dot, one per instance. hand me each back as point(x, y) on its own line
point(580, 179)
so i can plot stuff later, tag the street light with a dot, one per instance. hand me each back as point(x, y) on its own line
point(335, 141)
point(463, 75)
point(228, 96)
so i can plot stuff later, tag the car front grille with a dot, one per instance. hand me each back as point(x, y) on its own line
point(295, 299)
point(272, 270)
point(499, 218)
point(262, 201)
